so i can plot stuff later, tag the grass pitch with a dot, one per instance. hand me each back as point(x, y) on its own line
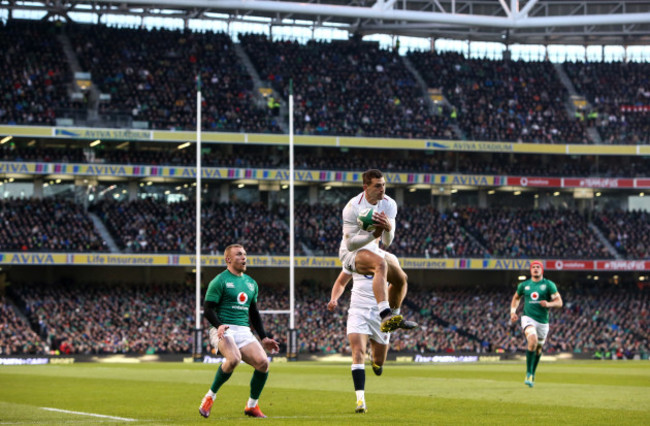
point(319, 393)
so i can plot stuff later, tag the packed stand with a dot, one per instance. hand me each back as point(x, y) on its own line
point(593, 319)
point(34, 75)
point(628, 232)
point(533, 233)
point(600, 319)
point(16, 335)
point(135, 319)
point(150, 76)
point(619, 94)
point(348, 88)
point(108, 319)
point(47, 225)
point(502, 100)
point(150, 226)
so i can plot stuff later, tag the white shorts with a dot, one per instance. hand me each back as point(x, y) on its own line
point(349, 261)
point(367, 321)
point(541, 329)
point(241, 334)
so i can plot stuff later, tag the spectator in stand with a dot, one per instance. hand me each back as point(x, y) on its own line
point(47, 225)
point(503, 100)
point(152, 80)
point(596, 317)
point(351, 88)
point(627, 231)
point(16, 336)
point(149, 226)
point(619, 95)
point(34, 74)
point(528, 233)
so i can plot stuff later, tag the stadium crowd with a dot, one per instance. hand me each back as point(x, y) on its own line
point(154, 79)
point(155, 226)
point(34, 73)
point(500, 100)
point(627, 231)
point(16, 335)
point(619, 97)
point(52, 225)
point(138, 319)
point(530, 233)
point(351, 88)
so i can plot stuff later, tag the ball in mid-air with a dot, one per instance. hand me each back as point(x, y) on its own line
point(365, 220)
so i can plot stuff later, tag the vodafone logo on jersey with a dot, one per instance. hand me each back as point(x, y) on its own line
point(242, 298)
point(534, 295)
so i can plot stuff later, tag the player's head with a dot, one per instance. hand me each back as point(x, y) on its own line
point(536, 269)
point(374, 185)
point(235, 256)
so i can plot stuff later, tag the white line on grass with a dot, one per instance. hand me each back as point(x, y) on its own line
point(58, 410)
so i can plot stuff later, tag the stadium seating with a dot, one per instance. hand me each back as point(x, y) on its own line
point(619, 98)
point(350, 88)
point(154, 80)
point(16, 335)
point(500, 100)
point(346, 88)
point(49, 225)
point(149, 226)
point(118, 318)
point(34, 74)
point(532, 233)
point(155, 226)
point(628, 232)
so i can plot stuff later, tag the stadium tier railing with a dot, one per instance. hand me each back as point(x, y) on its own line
point(171, 260)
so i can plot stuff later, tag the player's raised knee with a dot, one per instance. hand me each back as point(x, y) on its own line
point(233, 361)
point(263, 365)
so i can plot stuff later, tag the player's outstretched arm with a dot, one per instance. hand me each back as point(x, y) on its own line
point(337, 290)
point(514, 304)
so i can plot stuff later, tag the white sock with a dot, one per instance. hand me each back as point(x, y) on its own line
point(396, 311)
point(383, 306)
point(361, 396)
point(212, 394)
point(251, 403)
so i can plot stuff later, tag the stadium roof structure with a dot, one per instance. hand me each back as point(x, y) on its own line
point(581, 22)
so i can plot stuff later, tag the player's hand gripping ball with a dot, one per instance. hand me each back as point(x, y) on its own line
point(365, 220)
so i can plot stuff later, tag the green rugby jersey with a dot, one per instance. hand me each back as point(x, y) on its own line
point(533, 293)
point(233, 296)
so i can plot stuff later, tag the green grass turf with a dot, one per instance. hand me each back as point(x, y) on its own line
point(319, 393)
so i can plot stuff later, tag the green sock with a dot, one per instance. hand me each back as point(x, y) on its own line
point(530, 358)
point(536, 361)
point(219, 379)
point(257, 383)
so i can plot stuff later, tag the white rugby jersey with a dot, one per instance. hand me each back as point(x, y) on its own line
point(351, 228)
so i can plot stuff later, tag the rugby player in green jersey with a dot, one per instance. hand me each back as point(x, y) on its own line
point(539, 296)
point(231, 308)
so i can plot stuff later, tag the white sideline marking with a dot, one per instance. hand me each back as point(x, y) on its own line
point(124, 419)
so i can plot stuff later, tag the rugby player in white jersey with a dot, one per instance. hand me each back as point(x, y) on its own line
point(363, 325)
point(360, 251)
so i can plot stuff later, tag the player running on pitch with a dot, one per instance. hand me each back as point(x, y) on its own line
point(360, 252)
point(363, 325)
point(539, 295)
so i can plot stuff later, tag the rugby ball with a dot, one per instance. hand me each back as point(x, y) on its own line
point(364, 219)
